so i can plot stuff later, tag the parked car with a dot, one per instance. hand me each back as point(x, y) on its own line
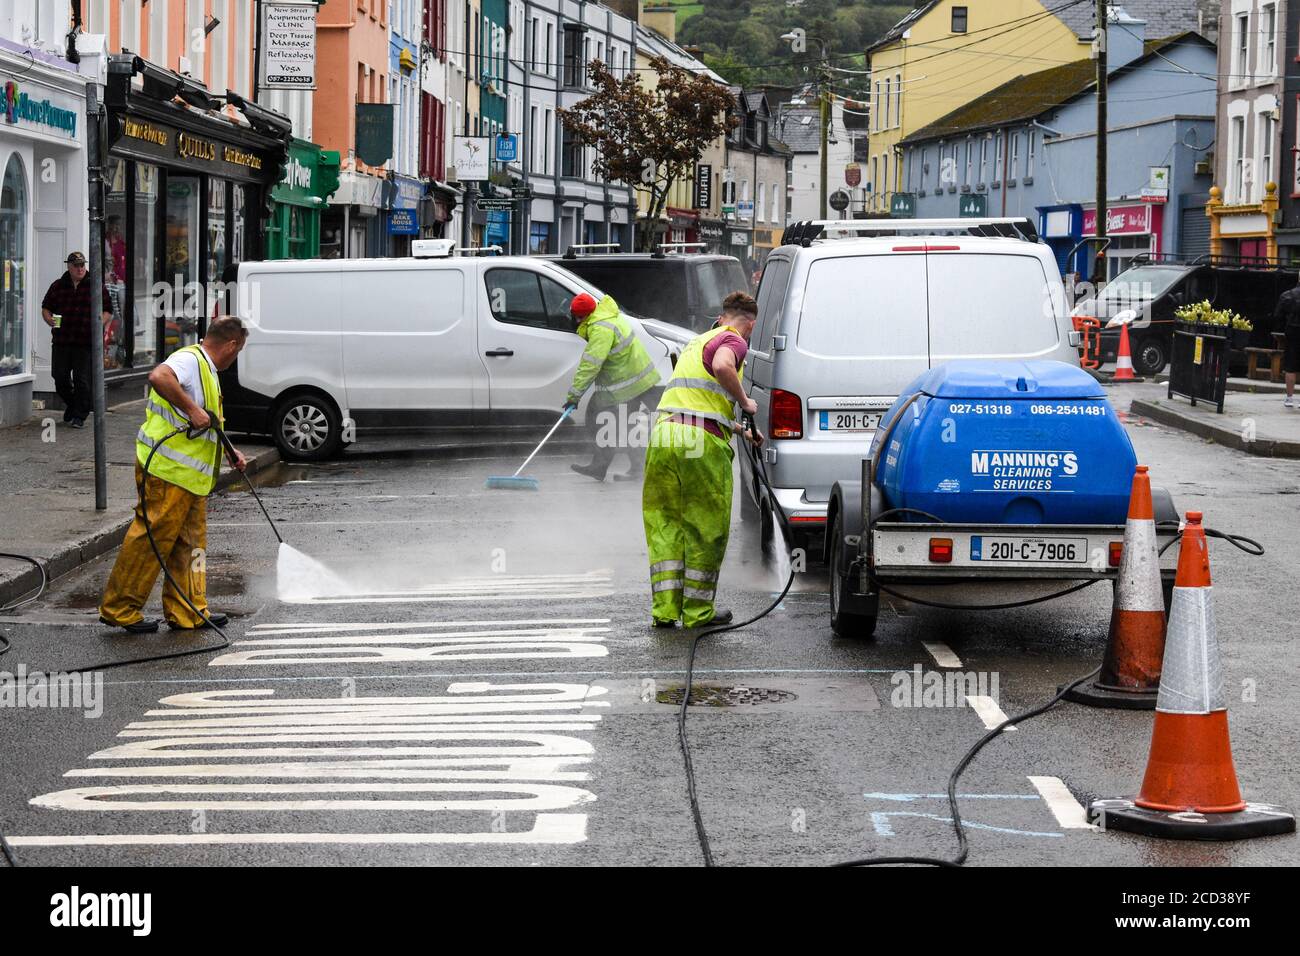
point(681, 289)
point(845, 323)
point(403, 343)
point(1157, 286)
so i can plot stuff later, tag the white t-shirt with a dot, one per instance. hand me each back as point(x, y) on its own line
point(186, 367)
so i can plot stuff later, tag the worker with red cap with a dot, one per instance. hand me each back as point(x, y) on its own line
point(624, 377)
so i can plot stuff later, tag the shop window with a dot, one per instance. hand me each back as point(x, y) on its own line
point(13, 243)
point(116, 337)
point(183, 306)
point(539, 238)
point(145, 246)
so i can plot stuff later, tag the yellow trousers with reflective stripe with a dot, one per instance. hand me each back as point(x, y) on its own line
point(179, 520)
point(686, 506)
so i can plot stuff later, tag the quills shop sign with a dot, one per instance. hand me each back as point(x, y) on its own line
point(158, 143)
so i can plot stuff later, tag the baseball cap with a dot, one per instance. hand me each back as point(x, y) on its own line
point(76, 259)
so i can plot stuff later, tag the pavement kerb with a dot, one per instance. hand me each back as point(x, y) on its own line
point(71, 555)
point(1220, 434)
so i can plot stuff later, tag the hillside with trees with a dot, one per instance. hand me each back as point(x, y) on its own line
point(741, 39)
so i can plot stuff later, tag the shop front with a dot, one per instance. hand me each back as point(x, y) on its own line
point(436, 208)
point(713, 233)
point(353, 225)
point(1133, 230)
point(186, 191)
point(42, 212)
point(310, 177)
point(683, 225)
point(1247, 231)
point(740, 244)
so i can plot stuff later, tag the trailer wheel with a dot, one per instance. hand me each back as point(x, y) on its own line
point(844, 623)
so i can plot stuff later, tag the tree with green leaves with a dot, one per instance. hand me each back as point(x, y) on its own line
point(649, 137)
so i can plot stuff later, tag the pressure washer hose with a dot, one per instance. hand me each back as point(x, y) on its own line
point(1245, 544)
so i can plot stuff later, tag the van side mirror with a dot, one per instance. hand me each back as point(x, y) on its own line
point(778, 343)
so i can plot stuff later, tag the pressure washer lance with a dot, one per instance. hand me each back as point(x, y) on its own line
point(1248, 545)
point(190, 432)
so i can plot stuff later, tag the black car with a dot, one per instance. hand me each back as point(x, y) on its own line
point(685, 290)
point(1157, 286)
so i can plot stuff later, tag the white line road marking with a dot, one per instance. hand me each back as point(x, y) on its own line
point(550, 587)
point(1068, 811)
point(480, 747)
point(942, 654)
point(548, 828)
point(987, 709)
point(290, 628)
point(302, 644)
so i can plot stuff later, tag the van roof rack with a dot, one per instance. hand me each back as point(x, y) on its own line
point(1257, 263)
point(805, 232)
point(671, 248)
point(573, 250)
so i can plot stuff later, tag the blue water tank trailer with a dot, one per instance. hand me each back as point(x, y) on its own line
point(976, 442)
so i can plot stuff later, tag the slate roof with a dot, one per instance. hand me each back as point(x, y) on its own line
point(1033, 94)
point(801, 137)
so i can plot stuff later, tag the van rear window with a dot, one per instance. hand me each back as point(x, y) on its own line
point(864, 307)
point(990, 306)
point(658, 292)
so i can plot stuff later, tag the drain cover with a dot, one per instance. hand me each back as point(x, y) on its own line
point(725, 696)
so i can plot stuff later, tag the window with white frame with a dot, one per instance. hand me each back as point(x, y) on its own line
point(1267, 40)
point(196, 40)
point(984, 159)
point(970, 161)
point(1266, 127)
point(1240, 48)
point(1014, 172)
point(997, 159)
point(875, 174)
point(888, 103)
point(1237, 167)
point(875, 108)
point(898, 99)
point(775, 212)
point(218, 48)
point(885, 185)
point(760, 204)
point(158, 37)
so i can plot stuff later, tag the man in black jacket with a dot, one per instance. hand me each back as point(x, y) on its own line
point(68, 309)
point(1288, 316)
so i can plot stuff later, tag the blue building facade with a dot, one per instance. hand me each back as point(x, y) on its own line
point(1028, 148)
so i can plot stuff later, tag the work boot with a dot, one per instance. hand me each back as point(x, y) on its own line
point(719, 617)
point(659, 623)
point(220, 620)
point(591, 471)
point(629, 476)
point(146, 625)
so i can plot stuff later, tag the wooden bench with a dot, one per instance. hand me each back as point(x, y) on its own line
point(1274, 358)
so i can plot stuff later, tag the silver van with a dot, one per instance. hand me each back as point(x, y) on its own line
point(850, 312)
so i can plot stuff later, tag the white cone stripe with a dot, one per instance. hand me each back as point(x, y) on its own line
point(1139, 569)
point(1124, 362)
point(1191, 679)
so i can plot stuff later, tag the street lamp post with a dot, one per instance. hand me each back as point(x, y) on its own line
point(823, 101)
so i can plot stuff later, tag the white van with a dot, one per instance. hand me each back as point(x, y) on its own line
point(403, 344)
point(850, 312)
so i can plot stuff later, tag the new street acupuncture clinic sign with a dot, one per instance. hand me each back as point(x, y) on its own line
point(288, 52)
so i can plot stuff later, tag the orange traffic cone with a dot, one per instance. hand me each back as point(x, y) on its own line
point(1124, 359)
point(1130, 669)
point(1190, 788)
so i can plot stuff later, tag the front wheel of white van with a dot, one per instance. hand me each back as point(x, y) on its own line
point(307, 428)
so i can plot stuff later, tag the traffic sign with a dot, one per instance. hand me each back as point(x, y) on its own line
point(499, 205)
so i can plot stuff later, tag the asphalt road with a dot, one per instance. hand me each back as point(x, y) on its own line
point(487, 691)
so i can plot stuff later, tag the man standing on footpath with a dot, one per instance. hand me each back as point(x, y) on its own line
point(686, 502)
point(68, 309)
point(184, 393)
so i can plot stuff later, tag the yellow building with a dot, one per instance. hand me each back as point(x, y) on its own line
point(942, 55)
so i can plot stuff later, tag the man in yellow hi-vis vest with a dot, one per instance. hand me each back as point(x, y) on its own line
point(184, 391)
point(686, 501)
point(622, 372)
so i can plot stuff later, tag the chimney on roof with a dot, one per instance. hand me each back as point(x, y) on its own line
point(1125, 38)
point(662, 19)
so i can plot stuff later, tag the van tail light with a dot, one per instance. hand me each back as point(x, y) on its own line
point(1116, 552)
point(941, 550)
point(785, 418)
